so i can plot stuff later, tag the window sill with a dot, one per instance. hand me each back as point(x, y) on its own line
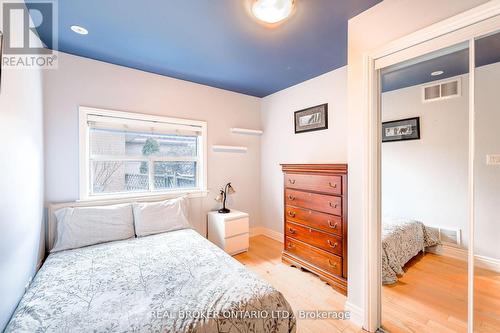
point(150, 196)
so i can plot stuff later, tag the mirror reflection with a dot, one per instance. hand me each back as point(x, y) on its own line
point(487, 185)
point(424, 163)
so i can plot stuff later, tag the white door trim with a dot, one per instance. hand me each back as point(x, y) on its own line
point(470, 190)
point(454, 23)
point(436, 36)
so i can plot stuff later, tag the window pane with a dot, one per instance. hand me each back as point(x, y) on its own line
point(116, 142)
point(119, 176)
point(172, 175)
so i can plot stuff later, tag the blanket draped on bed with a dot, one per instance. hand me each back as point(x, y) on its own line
point(402, 239)
point(171, 282)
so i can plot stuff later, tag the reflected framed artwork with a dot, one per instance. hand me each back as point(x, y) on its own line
point(401, 130)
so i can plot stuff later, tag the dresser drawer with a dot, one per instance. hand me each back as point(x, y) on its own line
point(317, 257)
point(320, 202)
point(310, 218)
point(317, 183)
point(236, 244)
point(314, 237)
point(236, 227)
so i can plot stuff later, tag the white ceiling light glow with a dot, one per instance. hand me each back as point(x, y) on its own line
point(79, 30)
point(272, 11)
point(437, 73)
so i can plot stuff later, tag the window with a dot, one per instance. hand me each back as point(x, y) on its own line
point(127, 154)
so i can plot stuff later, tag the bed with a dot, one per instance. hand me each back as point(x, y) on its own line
point(402, 239)
point(168, 282)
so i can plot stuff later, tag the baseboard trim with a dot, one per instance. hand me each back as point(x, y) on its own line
point(449, 251)
point(488, 263)
point(357, 313)
point(462, 254)
point(277, 236)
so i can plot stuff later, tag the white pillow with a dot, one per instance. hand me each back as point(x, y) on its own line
point(156, 217)
point(82, 226)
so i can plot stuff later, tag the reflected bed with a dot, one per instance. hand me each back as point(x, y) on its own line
point(402, 239)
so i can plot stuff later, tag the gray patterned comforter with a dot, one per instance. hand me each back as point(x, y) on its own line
point(402, 239)
point(171, 282)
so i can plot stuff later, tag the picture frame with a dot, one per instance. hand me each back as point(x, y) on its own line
point(314, 118)
point(401, 130)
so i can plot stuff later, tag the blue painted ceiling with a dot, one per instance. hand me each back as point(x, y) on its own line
point(487, 51)
point(212, 42)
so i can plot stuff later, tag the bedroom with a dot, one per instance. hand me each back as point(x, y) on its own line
point(220, 108)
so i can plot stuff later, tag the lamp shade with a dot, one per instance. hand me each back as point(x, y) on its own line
point(230, 189)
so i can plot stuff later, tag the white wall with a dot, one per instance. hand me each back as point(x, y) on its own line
point(21, 183)
point(426, 179)
point(385, 22)
point(281, 145)
point(86, 82)
point(487, 177)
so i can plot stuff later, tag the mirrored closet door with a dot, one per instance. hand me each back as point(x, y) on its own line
point(424, 192)
point(439, 177)
point(487, 184)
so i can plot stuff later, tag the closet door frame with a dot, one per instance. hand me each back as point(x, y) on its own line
point(464, 27)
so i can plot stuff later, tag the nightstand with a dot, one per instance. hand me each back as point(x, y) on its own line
point(229, 231)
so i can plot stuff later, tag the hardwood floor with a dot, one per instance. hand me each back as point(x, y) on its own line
point(430, 297)
point(486, 301)
point(303, 290)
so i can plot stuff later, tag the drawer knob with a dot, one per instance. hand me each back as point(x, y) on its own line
point(333, 265)
point(333, 225)
point(291, 197)
point(291, 181)
point(334, 245)
point(290, 245)
point(291, 230)
point(334, 185)
point(333, 205)
point(291, 214)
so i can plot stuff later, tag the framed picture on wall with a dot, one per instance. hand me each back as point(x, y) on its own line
point(311, 119)
point(401, 130)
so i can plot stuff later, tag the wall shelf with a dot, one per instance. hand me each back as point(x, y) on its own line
point(229, 149)
point(246, 131)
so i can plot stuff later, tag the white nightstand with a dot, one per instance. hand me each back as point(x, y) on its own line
point(229, 231)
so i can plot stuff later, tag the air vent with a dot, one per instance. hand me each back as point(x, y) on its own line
point(450, 236)
point(442, 90)
point(449, 89)
point(447, 236)
point(432, 92)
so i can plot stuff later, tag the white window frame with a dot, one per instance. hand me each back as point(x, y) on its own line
point(85, 158)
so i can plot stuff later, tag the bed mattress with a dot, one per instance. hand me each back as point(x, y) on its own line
point(402, 239)
point(171, 282)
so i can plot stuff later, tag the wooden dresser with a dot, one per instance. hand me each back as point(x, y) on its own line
point(316, 220)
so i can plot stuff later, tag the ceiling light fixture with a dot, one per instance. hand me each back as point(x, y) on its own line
point(79, 30)
point(272, 11)
point(437, 73)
